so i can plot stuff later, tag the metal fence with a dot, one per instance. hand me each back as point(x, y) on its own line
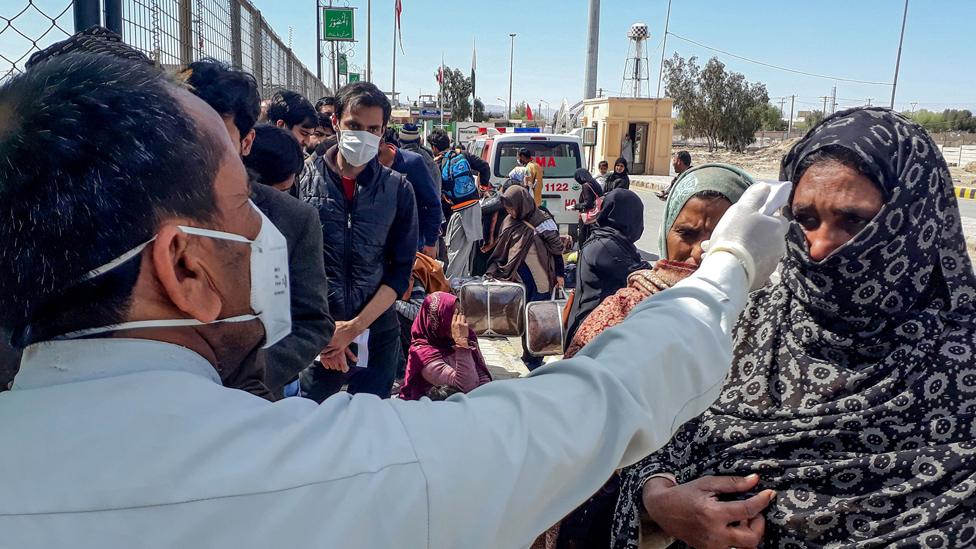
point(172, 33)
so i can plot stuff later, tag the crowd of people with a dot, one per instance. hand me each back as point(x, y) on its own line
point(799, 379)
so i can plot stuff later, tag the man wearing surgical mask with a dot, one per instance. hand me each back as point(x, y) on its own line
point(369, 230)
point(141, 284)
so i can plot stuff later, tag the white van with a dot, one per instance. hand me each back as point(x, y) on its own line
point(558, 155)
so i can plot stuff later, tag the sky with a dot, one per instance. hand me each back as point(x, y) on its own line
point(838, 38)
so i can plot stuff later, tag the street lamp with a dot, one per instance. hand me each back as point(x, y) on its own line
point(511, 67)
point(547, 110)
point(506, 107)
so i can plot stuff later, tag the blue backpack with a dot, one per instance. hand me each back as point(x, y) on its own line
point(457, 182)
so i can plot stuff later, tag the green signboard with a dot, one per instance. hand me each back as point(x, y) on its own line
point(343, 64)
point(354, 77)
point(337, 24)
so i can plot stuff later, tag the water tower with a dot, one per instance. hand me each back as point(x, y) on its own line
point(637, 81)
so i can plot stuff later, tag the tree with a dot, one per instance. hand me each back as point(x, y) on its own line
point(457, 91)
point(479, 111)
point(716, 104)
point(772, 119)
point(518, 113)
point(814, 118)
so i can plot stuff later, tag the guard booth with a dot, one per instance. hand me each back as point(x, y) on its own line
point(647, 125)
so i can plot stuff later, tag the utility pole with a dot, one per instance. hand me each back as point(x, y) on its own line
point(592, 51)
point(664, 48)
point(789, 123)
point(833, 100)
point(318, 40)
point(369, 40)
point(511, 71)
point(901, 39)
point(914, 104)
point(782, 101)
point(869, 101)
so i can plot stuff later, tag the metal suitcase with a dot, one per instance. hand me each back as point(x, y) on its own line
point(545, 329)
point(494, 307)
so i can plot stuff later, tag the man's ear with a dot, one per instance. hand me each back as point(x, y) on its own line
point(183, 276)
point(247, 142)
point(281, 124)
point(335, 123)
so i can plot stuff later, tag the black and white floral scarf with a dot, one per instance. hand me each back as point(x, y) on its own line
point(852, 391)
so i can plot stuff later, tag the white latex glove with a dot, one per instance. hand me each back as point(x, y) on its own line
point(758, 241)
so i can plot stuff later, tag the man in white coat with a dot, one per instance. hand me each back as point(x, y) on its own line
point(141, 276)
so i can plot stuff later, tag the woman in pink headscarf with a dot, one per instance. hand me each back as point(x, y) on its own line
point(444, 357)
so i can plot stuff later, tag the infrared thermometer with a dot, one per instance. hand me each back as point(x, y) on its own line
point(779, 196)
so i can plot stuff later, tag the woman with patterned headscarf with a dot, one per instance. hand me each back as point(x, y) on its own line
point(847, 418)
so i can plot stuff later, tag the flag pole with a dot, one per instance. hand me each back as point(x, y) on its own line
point(441, 95)
point(393, 91)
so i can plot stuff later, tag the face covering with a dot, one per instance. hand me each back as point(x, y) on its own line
point(270, 298)
point(358, 147)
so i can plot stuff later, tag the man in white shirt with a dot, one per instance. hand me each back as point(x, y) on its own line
point(141, 276)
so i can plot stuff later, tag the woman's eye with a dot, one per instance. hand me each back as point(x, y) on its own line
point(855, 223)
point(806, 221)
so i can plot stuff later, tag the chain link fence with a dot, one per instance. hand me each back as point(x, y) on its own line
point(172, 33)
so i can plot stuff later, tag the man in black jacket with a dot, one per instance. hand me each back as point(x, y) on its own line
point(234, 95)
point(369, 228)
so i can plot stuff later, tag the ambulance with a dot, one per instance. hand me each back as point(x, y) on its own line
point(558, 155)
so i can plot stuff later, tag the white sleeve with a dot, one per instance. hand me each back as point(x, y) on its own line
point(511, 458)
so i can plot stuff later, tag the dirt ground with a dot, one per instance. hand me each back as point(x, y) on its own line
point(764, 163)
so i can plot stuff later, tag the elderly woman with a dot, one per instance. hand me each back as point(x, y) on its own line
point(699, 199)
point(529, 251)
point(444, 357)
point(852, 392)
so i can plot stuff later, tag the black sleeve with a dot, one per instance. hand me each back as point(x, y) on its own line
point(587, 199)
point(311, 323)
point(480, 166)
point(401, 242)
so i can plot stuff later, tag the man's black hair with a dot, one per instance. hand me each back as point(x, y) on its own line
point(602, 162)
point(96, 151)
point(439, 140)
point(525, 152)
point(390, 137)
point(361, 94)
point(275, 155)
point(684, 157)
point(231, 92)
point(325, 121)
point(326, 101)
point(293, 109)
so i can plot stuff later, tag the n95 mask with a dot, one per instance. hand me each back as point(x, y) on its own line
point(358, 147)
point(270, 296)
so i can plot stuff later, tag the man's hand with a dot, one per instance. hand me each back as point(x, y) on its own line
point(334, 357)
point(693, 513)
point(429, 251)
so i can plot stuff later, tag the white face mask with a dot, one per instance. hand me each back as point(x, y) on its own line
point(358, 147)
point(270, 297)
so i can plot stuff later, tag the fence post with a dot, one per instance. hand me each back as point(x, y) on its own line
point(113, 16)
point(236, 55)
point(257, 45)
point(289, 70)
point(86, 14)
point(185, 22)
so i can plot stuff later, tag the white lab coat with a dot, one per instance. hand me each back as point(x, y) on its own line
point(124, 443)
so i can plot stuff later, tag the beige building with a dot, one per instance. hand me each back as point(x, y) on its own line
point(637, 129)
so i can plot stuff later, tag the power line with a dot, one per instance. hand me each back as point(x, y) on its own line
point(837, 78)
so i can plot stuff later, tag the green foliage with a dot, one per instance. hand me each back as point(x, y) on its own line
point(716, 104)
point(947, 120)
point(772, 121)
point(457, 92)
point(814, 118)
point(518, 113)
point(479, 111)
